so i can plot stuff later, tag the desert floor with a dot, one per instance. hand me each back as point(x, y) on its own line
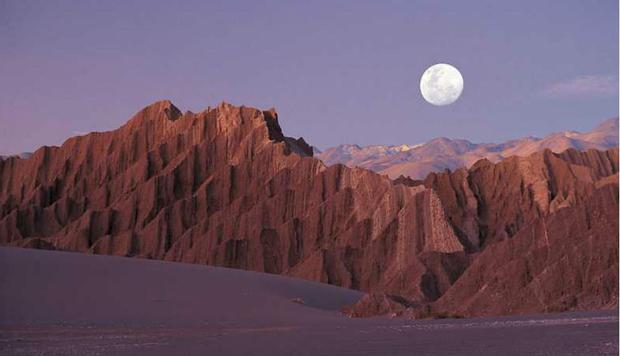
point(58, 303)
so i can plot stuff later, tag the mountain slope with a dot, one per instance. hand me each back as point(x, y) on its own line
point(556, 263)
point(541, 233)
point(442, 153)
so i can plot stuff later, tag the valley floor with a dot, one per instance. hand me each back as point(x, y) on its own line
point(57, 303)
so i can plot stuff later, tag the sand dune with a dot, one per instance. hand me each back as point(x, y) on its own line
point(63, 287)
point(75, 304)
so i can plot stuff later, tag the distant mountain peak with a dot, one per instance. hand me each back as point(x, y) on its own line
point(609, 124)
point(442, 153)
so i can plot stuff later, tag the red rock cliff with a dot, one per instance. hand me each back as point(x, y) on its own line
point(225, 187)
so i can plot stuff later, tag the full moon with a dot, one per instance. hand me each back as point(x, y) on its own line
point(441, 84)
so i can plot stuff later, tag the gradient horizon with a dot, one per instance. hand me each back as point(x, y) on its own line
point(337, 72)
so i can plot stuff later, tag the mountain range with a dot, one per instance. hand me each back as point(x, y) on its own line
point(225, 187)
point(417, 161)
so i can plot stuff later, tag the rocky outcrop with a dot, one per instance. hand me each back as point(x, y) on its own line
point(490, 202)
point(225, 187)
point(565, 261)
point(551, 245)
point(542, 232)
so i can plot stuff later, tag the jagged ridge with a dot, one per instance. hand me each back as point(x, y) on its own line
point(225, 187)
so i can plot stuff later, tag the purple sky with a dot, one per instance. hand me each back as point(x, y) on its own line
point(337, 71)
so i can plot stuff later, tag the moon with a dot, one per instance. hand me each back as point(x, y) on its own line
point(441, 84)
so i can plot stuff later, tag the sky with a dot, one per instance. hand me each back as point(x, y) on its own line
point(336, 71)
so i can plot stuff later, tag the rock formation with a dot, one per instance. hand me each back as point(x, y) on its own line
point(541, 232)
point(565, 261)
point(225, 187)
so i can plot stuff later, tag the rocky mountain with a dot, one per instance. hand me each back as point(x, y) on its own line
point(543, 229)
point(417, 161)
point(565, 261)
point(226, 187)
